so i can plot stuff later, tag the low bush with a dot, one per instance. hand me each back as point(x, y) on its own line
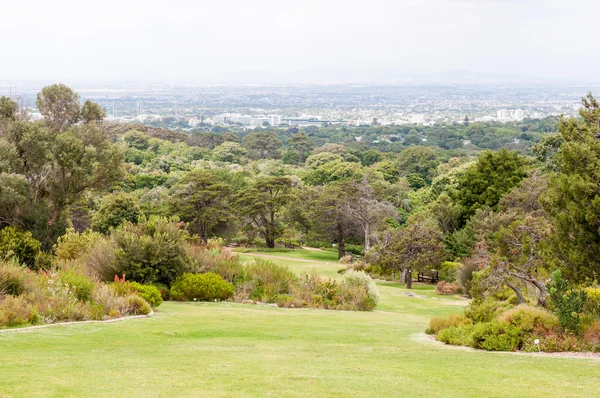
point(101, 259)
point(14, 279)
point(437, 324)
point(201, 287)
point(73, 245)
point(149, 293)
point(496, 336)
point(445, 288)
point(485, 310)
point(266, 280)
point(138, 306)
point(17, 311)
point(165, 292)
point(456, 335)
point(465, 274)
point(592, 301)
point(356, 250)
point(567, 303)
point(591, 336)
point(359, 291)
point(21, 246)
point(81, 284)
point(232, 271)
point(449, 271)
point(529, 318)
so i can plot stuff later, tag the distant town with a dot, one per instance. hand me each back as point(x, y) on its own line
point(189, 107)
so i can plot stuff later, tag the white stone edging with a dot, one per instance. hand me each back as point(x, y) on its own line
point(28, 328)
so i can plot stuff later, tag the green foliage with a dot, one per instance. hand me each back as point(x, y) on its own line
point(437, 324)
point(530, 319)
point(265, 280)
point(149, 293)
point(152, 251)
point(91, 112)
point(484, 183)
point(592, 301)
point(18, 245)
point(13, 279)
point(17, 311)
point(138, 306)
point(456, 335)
point(484, 310)
point(8, 108)
point(201, 287)
point(73, 245)
point(115, 210)
point(449, 271)
point(81, 284)
point(59, 105)
point(419, 161)
point(573, 196)
point(262, 145)
point(496, 336)
point(228, 151)
point(566, 303)
point(359, 280)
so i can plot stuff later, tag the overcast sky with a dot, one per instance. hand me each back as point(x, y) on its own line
point(300, 41)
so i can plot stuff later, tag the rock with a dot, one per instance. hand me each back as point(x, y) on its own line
point(248, 302)
point(273, 305)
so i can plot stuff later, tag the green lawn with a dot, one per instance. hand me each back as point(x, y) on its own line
point(225, 349)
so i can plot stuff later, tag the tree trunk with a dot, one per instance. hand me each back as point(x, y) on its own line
point(270, 242)
point(520, 297)
point(367, 229)
point(341, 249)
point(408, 278)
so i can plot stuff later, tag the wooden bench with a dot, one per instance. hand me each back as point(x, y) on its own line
point(430, 277)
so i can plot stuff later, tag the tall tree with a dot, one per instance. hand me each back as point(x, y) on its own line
point(300, 143)
point(262, 204)
point(366, 208)
point(484, 183)
point(92, 112)
point(262, 145)
point(573, 197)
point(8, 108)
point(204, 201)
point(418, 246)
point(60, 106)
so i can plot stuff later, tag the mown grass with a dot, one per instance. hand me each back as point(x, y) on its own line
point(235, 350)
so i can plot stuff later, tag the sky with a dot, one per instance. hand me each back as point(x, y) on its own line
point(301, 41)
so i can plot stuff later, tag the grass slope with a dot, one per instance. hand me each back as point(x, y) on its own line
point(234, 350)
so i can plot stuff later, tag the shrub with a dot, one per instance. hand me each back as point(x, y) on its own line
point(456, 335)
point(359, 290)
point(449, 271)
point(592, 301)
point(165, 292)
point(138, 306)
point(496, 336)
point(445, 288)
point(13, 279)
point(484, 311)
point(114, 210)
point(149, 293)
point(81, 284)
point(73, 245)
point(152, 251)
point(437, 324)
point(591, 336)
point(566, 303)
point(101, 260)
point(356, 250)
point(17, 311)
point(267, 279)
point(232, 271)
point(111, 303)
point(465, 274)
point(19, 245)
point(528, 318)
point(202, 287)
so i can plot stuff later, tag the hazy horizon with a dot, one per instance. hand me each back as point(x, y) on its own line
point(317, 42)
